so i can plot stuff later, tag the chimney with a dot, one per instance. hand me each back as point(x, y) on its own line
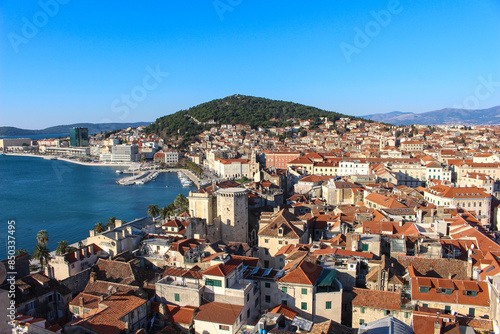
point(80, 307)
point(163, 309)
point(437, 325)
point(93, 277)
point(118, 223)
point(92, 233)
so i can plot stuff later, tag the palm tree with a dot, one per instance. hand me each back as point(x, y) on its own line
point(42, 254)
point(111, 222)
point(42, 237)
point(21, 251)
point(80, 244)
point(62, 247)
point(153, 211)
point(99, 227)
point(164, 212)
point(179, 201)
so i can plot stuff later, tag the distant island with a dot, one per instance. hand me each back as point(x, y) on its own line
point(93, 128)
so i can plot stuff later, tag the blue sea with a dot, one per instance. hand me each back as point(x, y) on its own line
point(68, 199)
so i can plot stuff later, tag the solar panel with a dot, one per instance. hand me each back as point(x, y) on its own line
point(254, 271)
point(280, 273)
point(267, 272)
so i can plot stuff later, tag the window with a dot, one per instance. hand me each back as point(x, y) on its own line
point(176, 297)
point(224, 327)
point(424, 289)
point(387, 312)
point(328, 305)
point(472, 311)
point(50, 298)
point(425, 305)
point(361, 321)
point(266, 241)
point(303, 306)
point(365, 247)
point(213, 282)
point(406, 315)
point(256, 302)
point(75, 310)
point(248, 313)
point(447, 309)
point(284, 289)
point(284, 302)
point(304, 291)
point(470, 293)
point(248, 297)
point(362, 309)
point(268, 299)
point(267, 285)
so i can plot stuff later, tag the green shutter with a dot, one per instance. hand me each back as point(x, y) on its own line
point(303, 306)
point(328, 305)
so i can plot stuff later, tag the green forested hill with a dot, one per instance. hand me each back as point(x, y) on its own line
point(236, 109)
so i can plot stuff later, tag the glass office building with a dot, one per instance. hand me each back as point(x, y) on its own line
point(79, 137)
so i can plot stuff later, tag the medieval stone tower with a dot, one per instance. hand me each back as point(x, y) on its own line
point(232, 214)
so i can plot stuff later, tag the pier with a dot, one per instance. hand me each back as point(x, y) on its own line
point(142, 177)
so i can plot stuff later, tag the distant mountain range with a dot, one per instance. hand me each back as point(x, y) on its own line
point(59, 129)
point(449, 116)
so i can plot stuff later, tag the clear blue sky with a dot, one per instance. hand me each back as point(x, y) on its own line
point(86, 55)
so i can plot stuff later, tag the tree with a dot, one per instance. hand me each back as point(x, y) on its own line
point(80, 244)
point(42, 237)
point(62, 247)
point(41, 253)
point(153, 211)
point(164, 212)
point(111, 222)
point(99, 227)
point(20, 251)
point(179, 200)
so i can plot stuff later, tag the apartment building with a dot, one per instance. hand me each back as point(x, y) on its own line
point(277, 230)
point(469, 198)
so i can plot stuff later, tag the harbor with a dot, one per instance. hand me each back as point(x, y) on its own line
point(187, 178)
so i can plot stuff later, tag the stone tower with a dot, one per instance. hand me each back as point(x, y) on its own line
point(232, 214)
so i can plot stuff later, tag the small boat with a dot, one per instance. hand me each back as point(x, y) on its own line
point(119, 171)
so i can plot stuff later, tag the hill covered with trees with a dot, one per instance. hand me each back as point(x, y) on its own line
point(236, 109)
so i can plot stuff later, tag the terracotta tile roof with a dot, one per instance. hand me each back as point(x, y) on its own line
point(331, 327)
point(179, 272)
point(288, 312)
point(457, 296)
point(283, 219)
point(305, 273)
point(386, 300)
point(458, 192)
point(219, 313)
point(222, 269)
point(439, 268)
point(106, 317)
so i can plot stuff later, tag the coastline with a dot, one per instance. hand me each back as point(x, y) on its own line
point(94, 164)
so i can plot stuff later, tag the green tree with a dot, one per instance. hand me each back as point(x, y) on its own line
point(62, 247)
point(180, 200)
point(164, 212)
point(42, 237)
point(153, 211)
point(41, 253)
point(111, 222)
point(21, 251)
point(99, 227)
